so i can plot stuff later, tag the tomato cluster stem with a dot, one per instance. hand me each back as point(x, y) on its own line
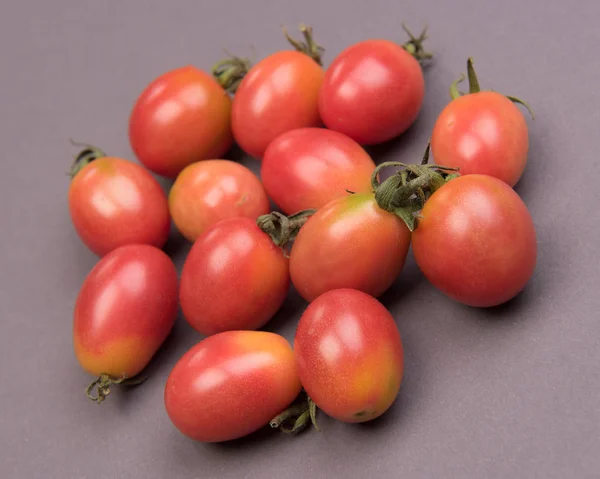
point(281, 228)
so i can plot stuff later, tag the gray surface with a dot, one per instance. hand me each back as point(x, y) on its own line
point(512, 392)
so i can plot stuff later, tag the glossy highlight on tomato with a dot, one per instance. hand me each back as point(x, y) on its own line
point(231, 384)
point(349, 355)
point(181, 117)
point(124, 311)
point(278, 94)
point(349, 243)
point(308, 167)
point(234, 278)
point(209, 191)
point(114, 202)
point(476, 241)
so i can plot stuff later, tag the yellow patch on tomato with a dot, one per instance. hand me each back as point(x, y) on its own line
point(122, 357)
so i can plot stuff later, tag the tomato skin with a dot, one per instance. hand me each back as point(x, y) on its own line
point(372, 92)
point(115, 202)
point(476, 241)
point(125, 310)
point(482, 133)
point(349, 354)
point(280, 93)
point(181, 117)
point(209, 191)
point(231, 384)
point(309, 167)
point(234, 278)
point(349, 243)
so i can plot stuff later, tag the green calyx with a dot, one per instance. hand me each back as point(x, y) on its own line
point(281, 228)
point(102, 384)
point(308, 46)
point(405, 192)
point(230, 72)
point(474, 87)
point(297, 417)
point(414, 45)
point(84, 157)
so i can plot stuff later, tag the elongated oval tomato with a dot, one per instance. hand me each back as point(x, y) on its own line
point(349, 243)
point(233, 278)
point(181, 117)
point(125, 309)
point(372, 91)
point(349, 355)
point(280, 93)
point(114, 202)
point(476, 241)
point(209, 191)
point(482, 133)
point(308, 167)
point(231, 384)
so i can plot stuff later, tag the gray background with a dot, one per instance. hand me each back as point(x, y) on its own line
point(509, 392)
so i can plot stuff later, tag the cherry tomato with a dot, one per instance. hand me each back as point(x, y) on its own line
point(233, 278)
point(349, 243)
point(231, 384)
point(476, 241)
point(349, 355)
point(114, 202)
point(125, 310)
point(277, 95)
point(372, 92)
point(308, 167)
point(482, 133)
point(212, 190)
point(181, 117)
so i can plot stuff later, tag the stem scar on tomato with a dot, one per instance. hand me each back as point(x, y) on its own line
point(230, 72)
point(88, 154)
point(414, 45)
point(281, 228)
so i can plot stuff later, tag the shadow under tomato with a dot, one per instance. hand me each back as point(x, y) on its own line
point(177, 246)
point(409, 279)
point(286, 319)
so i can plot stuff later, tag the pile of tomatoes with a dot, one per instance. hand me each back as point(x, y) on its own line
point(340, 235)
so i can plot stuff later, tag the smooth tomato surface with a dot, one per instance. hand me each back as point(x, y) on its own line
point(278, 94)
point(372, 92)
point(476, 241)
point(349, 243)
point(233, 278)
point(309, 167)
point(114, 202)
point(482, 133)
point(349, 355)
point(209, 191)
point(231, 384)
point(181, 117)
point(125, 309)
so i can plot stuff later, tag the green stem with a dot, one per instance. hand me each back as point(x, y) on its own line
point(473, 80)
point(230, 72)
point(84, 157)
point(281, 228)
point(414, 45)
point(454, 91)
point(103, 383)
point(297, 417)
point(308, 46)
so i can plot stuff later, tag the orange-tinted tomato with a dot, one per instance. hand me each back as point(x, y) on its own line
point(349, 243)
point(476, 241)
point(181, 117)
point(209, 191)
point(349, 355)
point(482, 133)
point(308, 167)
point(231, 384)
point(125, 309)
point(372, 91)
point(114, 202)
point(278, 94)
point(233, 278)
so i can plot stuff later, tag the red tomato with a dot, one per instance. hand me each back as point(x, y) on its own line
point(231, 384)
point(349, 243)
point(308, 167)
point(482, 133)
point(114, 202)
point(476, 241)
point(372, 92)
point(181, 117)
point(125, 310)
point(233, 278)
point(212, 190)
point(277, 95)
point(349, 355)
